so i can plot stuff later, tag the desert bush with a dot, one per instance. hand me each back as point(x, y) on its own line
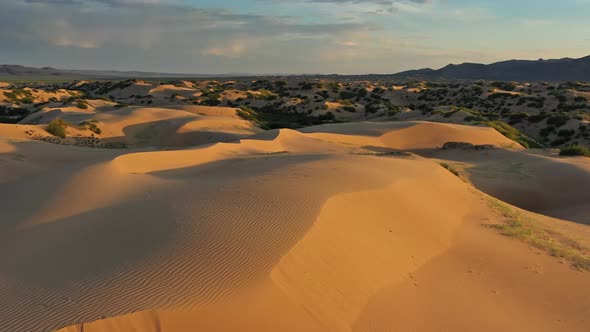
point(81, 105)
point(327, 116)
point(347, 95)
point(515, 118)
point(57, 127)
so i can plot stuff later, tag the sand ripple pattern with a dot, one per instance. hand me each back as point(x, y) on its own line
point(207, 233)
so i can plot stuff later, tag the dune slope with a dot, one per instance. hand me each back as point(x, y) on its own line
point(318, 230)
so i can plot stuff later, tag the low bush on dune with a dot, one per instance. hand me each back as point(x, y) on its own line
point(575, 150)
point(57, 127)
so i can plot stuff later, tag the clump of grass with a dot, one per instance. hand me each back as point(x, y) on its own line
point(57, 127)
point(518, 226)
point(575, 150)
point(450, 168)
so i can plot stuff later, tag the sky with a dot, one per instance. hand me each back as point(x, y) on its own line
point(287, 36)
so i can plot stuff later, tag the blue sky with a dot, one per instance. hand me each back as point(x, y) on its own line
point(287, 36)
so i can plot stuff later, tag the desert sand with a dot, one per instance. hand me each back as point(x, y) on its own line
point(337, 227)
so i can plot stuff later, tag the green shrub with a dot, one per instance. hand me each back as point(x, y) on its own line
point(57, 127)
point(575, 150)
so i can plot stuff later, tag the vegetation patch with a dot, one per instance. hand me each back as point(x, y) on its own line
point(575, 150)
point(518, 226)
point(450, 168)
point(514, 134)
point(19, 96)
point(90, 125)
point(272, 117)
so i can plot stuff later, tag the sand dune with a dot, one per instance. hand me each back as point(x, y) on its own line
point(173, 126)
point(166, 90)
point(283, 230)
point(408, 135)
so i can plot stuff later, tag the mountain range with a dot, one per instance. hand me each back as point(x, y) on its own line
point(555, 70)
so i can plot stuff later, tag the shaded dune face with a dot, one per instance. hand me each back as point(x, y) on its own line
point(556, 187)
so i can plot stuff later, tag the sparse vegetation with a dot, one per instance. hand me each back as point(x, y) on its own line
point(514, 134)
point(450, 168)
point(521, 227)
point(575, 150)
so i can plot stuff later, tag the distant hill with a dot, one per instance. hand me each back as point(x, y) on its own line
point(22, 71)
point(17, 71)
point(559, 70)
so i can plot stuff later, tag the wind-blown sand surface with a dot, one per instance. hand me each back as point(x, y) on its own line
point(327, 229)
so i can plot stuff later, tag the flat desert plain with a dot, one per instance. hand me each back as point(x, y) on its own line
point(206, 222)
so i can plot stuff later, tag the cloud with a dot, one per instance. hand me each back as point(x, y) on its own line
point(114, 3)
point(146, 24)
point(348, 43)
point(372, 7)
point(169, 34)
